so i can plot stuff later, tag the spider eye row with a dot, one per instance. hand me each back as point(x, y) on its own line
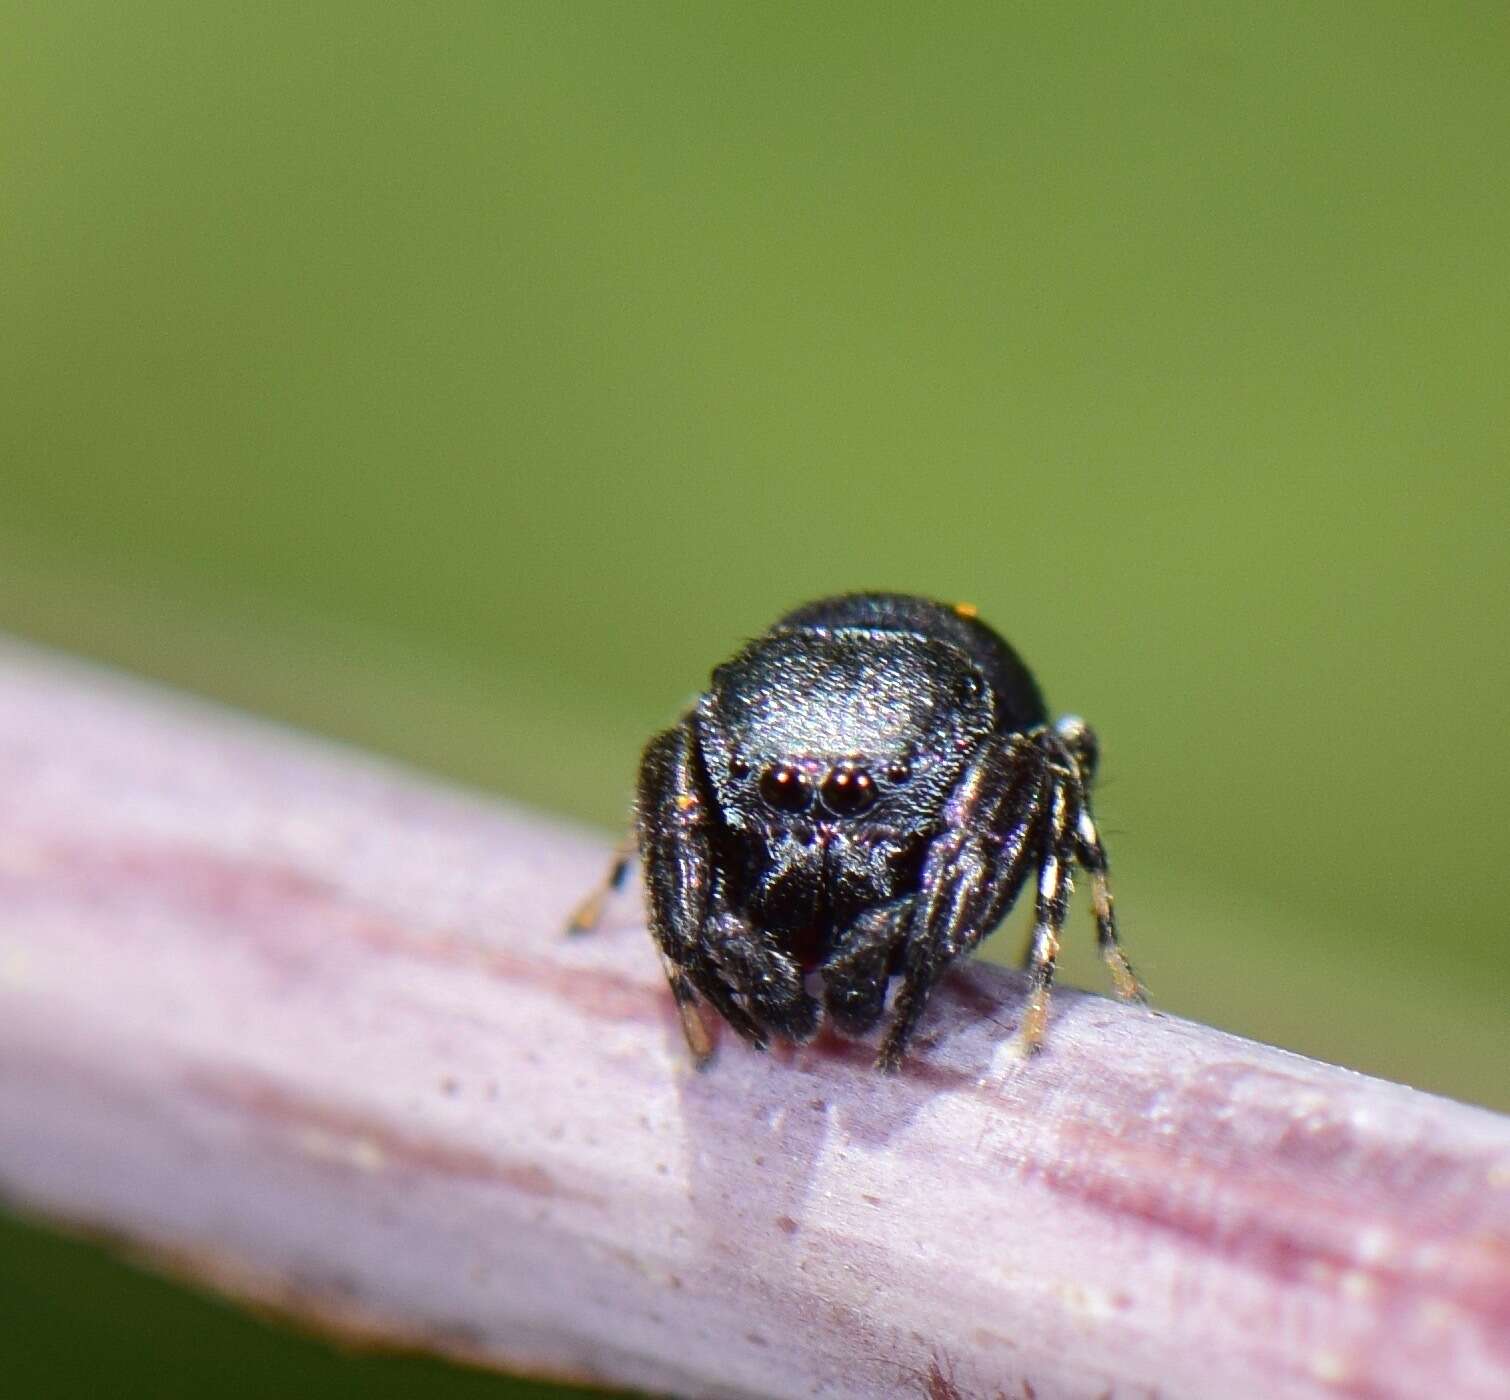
point(846, 790)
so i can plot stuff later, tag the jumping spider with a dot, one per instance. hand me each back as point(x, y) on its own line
point(861, 793)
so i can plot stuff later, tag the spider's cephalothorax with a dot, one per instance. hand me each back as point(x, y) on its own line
point(861, 793)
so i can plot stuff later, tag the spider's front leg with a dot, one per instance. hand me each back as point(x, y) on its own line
point(675, 815)
point(707, 949)
point(972, 872)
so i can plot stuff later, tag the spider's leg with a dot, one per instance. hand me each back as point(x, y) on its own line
point(584, 918)
point(676, 816)
point(1079, 739)
point(1076, 752)
point(971, 873)
point(1092, 855)
point(694, 1028)
point(1055, 855)
point(857, 971)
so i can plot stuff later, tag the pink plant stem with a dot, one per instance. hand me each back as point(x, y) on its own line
point(303, 1024)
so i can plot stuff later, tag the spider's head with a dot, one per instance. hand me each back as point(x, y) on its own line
point(840, 725)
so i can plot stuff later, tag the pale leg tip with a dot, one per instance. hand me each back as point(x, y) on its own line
point(1024, 1046)
point(1124, 980)
point(584, 918)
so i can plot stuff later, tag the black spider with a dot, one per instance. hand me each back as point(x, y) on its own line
point(861, 793)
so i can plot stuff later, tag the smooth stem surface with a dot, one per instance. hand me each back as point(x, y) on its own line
point(305, 1025)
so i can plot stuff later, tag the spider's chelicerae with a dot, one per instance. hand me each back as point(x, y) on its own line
point(861, 793)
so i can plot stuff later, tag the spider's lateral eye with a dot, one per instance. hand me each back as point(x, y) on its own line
point(968, 689)
point(784, 788)
point(898, 771)
point(738, 768)
point(848, 791)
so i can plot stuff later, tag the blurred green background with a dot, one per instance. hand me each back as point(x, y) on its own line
point(464, 381)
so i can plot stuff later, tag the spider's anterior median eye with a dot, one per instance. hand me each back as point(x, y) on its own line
point(784, 788)
point(848, 791)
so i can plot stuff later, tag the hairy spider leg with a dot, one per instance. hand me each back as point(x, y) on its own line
point(674, 814)
point(972, 873)
point(1092, 855)
point(587, 915)
point(1080, 739)
point(1055, 881)
point(699, 1038)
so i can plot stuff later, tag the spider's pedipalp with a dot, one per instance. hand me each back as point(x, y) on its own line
point(856, 976)
point(766, 978)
